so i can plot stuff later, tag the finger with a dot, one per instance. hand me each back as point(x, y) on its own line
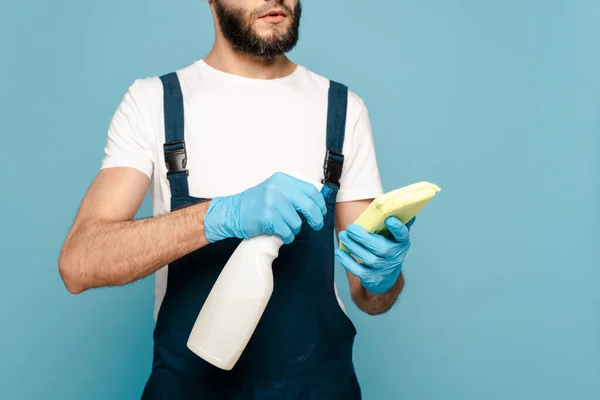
point(397, 229)
point(357, 250)
point(411, 222)
point(288, 214)
point(282, 229)
point(376, 244)
point(313, 193)
point(350, 264)
point(308, 208)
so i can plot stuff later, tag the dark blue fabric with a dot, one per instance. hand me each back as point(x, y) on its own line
point(336, 116)
point(173, 107)
point(179, 145)
point(174, 129)
point(179, 185)
point(302, 347)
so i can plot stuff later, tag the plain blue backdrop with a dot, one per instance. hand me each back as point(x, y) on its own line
point(498, 102)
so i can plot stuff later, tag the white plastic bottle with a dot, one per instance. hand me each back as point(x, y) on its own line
point(236, 302)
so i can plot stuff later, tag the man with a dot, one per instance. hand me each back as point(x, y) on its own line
point(221, 144)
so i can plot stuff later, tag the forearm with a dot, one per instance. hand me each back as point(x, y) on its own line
point(374, 304)
point(110, 253)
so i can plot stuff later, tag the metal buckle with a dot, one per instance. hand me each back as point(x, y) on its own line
point(332, 168)
point(176, 160)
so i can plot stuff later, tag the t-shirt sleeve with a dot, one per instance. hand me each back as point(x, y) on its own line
point(360, 176)
point(128, 142)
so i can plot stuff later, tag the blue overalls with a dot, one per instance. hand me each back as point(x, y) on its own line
point(302, 347)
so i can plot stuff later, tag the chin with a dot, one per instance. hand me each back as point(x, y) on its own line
point(266, 32)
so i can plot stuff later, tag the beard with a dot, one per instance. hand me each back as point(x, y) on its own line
point(237, 28)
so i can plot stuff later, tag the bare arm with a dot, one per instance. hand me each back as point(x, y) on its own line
point(106, 247)
point(373, 304)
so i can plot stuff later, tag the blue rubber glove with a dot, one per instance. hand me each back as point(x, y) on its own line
point(381, 257)
point(272, 207)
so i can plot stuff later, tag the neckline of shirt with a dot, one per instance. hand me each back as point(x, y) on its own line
point(203, 67)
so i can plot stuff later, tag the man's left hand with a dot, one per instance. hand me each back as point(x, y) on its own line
point(381, 257)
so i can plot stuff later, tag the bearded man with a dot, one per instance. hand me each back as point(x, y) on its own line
point(231, 147)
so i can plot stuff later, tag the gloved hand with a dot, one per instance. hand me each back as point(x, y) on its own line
point(271, 207)
point(381, 257)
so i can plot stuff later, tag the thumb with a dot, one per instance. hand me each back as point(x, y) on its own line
point(398, 230)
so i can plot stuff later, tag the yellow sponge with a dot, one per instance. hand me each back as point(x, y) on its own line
point(403, 203)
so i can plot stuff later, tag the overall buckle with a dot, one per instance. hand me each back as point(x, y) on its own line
point(332, 167)
point(175, 157)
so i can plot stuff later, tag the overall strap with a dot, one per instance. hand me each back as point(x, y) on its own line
point(174, 146)
point(336, 129)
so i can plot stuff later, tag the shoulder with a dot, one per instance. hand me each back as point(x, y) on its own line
point(141, 107)
point(149, 89)
point(356, 104)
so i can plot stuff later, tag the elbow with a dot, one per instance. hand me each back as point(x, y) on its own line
point(73, 288)
point(365, 303)
point(67, 269)
point(374, 308)
point(69, 279)
point(377, 304)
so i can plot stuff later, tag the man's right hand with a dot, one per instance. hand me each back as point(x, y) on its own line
point(272, 207)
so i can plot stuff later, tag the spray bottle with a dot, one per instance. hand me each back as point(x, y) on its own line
point(237, 301)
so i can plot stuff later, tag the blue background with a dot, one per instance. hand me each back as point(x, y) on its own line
point(496, 101)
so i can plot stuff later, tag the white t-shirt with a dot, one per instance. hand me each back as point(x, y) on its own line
point(238, 132)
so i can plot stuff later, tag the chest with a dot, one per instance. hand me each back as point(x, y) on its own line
point(236, 140)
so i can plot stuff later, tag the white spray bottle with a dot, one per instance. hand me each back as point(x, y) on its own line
point(236, 302)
